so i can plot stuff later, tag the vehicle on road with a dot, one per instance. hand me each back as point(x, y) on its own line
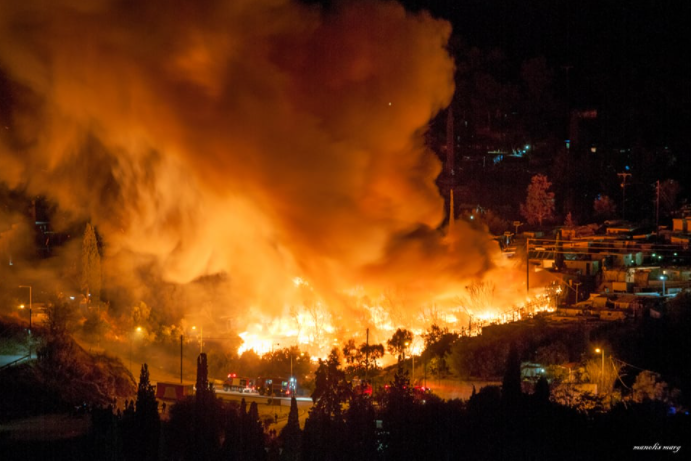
point(235, 383)
point(278, 387)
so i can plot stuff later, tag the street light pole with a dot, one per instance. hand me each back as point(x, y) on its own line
point(602, 352)
point(28, 287)
point(577, 284)
point(132, 340)
point(413, 367)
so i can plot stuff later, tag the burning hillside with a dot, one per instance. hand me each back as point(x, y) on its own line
point(271, 144)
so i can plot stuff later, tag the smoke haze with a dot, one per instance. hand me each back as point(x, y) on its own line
point(258, 141)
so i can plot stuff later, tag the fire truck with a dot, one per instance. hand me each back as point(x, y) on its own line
point(279, 387)
point(361, 387)
point(237, 383)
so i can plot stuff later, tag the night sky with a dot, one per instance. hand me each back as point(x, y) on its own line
point(629, 59)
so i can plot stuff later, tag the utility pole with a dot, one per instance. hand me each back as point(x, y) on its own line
point(367, 351)
point(624, 176)
point(28, 287)
point(527, 265)
point(658, 197)
point(577, 284)
point(181, 359)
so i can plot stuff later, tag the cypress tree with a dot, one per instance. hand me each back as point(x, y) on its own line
point(255, 435)
point(205, 416)
point(91, 265)
point(147, 421)
point(291, 435)
point(511, 381)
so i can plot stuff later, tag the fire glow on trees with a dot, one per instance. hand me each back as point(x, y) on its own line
point(255, 141)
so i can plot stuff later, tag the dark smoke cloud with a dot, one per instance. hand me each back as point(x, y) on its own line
point(259, 140)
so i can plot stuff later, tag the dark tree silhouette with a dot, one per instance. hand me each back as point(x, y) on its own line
point(399, 343)
point(91, 265)
point(233, 434)
point(206, 415)
point(361, 435)
point(291, 435)
point(511, 381)
point(322, 438)
point(147, 423)
point(253, 438)
point(331, 389)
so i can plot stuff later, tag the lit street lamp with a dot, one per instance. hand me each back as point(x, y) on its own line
point(292, 380)
point(413, 362)
point(413, 367)
point(139, 329)
point(30, 303)
point(663, 278)
point(602, 352)
point(28, 287)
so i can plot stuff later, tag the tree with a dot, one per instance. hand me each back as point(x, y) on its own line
point(361, 434)
point(331, 388)
point(541, 392)
point(290, 436)
point(649, 386)
point(511, 381)
point(433, 335)
point(91, 265)
point(324, 427)
point(371, 353)
point(352, 356)
point(254, 435)
point(206, 415)
point(555, 353)
point(603, 207)
point(141, 433)
point(399, 343)
point(540, 203)
point(569, 222)
point(668, 196)
point(146, 396)
point(438, 343)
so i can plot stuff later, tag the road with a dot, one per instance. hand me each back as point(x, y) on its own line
point(232, 395)
point(279, 407)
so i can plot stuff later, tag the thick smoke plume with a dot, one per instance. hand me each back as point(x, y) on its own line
point(257, 140)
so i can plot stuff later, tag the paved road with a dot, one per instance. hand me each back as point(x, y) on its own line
point(264, 399)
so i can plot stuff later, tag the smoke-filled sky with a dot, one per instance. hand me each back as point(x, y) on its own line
point(261, 139)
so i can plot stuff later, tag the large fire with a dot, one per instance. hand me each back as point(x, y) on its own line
point(312, 329)
point(272, 146)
